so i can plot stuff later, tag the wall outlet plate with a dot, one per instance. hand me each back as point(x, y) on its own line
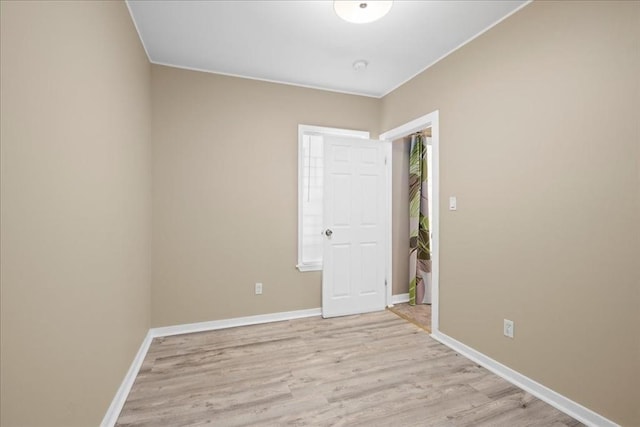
point(258, 288)
point(508, 328)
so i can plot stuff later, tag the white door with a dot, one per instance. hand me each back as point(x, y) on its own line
point(353, 276)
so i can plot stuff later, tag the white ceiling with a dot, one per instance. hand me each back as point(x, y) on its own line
point(305, 43)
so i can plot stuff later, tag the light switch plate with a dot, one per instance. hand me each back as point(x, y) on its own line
point(453, 203)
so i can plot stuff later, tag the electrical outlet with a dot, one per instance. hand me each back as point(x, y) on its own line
point(508, 328)
point(258, 288)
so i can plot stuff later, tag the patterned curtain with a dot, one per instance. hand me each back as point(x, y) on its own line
point(419, 240)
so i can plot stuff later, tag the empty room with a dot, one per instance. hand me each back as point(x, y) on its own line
point(319, 213)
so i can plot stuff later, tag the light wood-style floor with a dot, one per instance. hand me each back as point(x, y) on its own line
point(368, 370)
point(419, 314)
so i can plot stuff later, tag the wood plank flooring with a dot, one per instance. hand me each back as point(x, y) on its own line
point(368, 370)
point(419, 314)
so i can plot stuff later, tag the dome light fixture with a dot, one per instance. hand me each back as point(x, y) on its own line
point(360, 11)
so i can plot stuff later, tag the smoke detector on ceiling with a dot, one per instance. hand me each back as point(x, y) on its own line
point(360, 65)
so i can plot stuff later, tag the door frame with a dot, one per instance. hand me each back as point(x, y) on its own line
point(430, 120)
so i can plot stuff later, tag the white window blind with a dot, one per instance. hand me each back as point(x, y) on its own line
point(312, 200)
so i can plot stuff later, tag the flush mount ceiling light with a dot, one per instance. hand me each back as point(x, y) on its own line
point(361, 12)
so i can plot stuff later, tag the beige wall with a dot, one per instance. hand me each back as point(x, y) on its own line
point(539, 141)
point(75, 194)
point(400, 215)
point(225, 192)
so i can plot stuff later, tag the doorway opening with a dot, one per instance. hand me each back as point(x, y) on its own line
point(418, 313)
point(425, 312)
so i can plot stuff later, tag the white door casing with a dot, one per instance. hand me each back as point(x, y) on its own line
point(430, 120)
point(354, 212)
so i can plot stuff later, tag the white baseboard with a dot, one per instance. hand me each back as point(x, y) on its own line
point(117, 403)
point(120, 398)
point(399, 298)
point(190, 328)
point(560, 402)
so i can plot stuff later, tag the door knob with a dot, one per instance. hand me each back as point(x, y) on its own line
point(328, 232)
